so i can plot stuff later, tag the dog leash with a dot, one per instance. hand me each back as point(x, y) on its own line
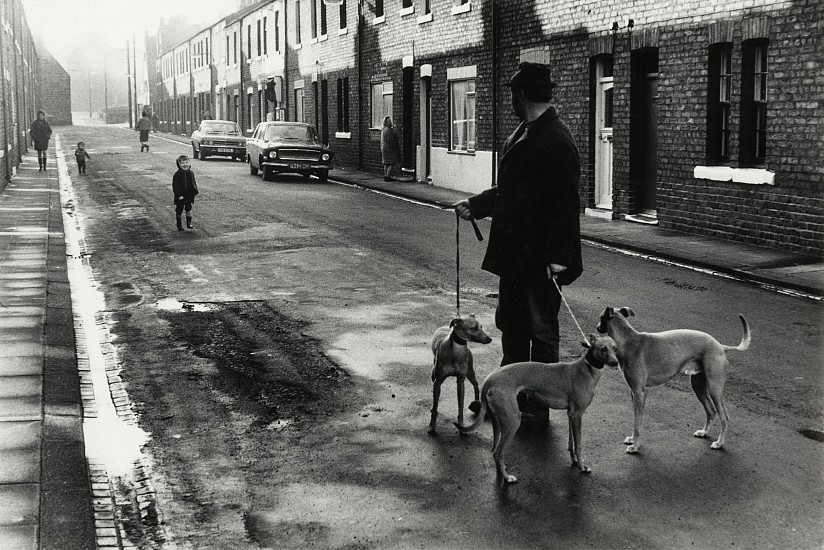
point(569, 309)
point(480, 237)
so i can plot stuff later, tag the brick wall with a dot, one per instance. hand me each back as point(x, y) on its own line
point(54, 90)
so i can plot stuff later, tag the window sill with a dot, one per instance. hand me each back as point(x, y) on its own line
point(323, 38)
point(298, 46)
point(750, 176)
point(343, 135)
point(458, 152)
point(343, 31)
point(407, 11)
point(425, 18)
point(464, 8)
point(379, 20)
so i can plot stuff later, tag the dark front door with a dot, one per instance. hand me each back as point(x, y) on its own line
point(644, 130)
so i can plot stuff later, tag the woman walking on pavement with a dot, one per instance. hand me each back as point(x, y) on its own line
point(185, 189)
point(41, 134)
point(144, 126)
point(390, 149)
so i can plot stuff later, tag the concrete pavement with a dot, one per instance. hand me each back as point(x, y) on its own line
point(49, 492)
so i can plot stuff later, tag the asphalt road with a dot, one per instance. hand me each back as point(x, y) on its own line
point(292, 413)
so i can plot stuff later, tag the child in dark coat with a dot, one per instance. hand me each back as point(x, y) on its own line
point(185, 189)
point(81, 155)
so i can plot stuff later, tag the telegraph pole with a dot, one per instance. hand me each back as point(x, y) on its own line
point(129, 82)
point(134, 66)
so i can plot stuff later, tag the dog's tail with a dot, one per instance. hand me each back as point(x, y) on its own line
point(477, 421)
point(745, 340)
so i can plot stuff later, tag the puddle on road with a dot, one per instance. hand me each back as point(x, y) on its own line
point(173, 304)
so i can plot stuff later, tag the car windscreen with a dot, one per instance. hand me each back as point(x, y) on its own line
point(220, 128)
point(301, 133)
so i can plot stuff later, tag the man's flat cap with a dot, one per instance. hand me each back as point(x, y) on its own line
point(532, 76)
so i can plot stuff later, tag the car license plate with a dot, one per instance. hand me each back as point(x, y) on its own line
point(225, 150)
point(298, 166)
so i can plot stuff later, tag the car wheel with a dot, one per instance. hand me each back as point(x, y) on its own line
point(252, 169)
point(195, 152)
point(268, 174)
point(202, 155)
point(323, 176)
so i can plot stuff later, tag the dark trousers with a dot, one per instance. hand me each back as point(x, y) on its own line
point(81, 166)
point(180, 206)
point(527, 316)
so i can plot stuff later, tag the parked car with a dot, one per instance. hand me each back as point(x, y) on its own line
point(218, 138)
point(288, 147)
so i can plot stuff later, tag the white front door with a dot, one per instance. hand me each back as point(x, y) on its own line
point(603, 136)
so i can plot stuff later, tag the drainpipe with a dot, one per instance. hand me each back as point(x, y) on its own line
point(359, 58)
point(494, 96)
point(284, 89)
point(3, 106)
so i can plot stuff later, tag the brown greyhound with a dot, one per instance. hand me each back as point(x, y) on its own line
point(651, 358)
point(569, 386)
point(453, 358)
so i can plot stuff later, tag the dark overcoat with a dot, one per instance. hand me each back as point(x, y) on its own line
point(184, 185)
point(535, 206)
point(390, 146)
point(40, 134)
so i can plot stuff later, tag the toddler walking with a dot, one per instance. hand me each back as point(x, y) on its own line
point(81, 155)
point(185, 189)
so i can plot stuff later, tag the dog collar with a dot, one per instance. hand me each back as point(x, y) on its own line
point(458, 340)
point(592, 360)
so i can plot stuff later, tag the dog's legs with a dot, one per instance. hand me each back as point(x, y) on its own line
point(436, 395)
point(699, 386)
point(461, 390)
point(717, 395)
point(575, 421)
point(506, 419)
point(639, 399)
point(475, 406)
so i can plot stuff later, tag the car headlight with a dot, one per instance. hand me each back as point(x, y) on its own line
point(206, 142)
point(326, 157)
point(273, 154)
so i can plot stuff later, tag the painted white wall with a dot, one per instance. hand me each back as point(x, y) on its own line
point(468, 173)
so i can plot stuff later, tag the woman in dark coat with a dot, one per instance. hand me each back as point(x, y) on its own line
point(390, 149)
point(41, 134)
point(144, 126)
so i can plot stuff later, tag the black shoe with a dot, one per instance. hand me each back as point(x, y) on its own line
point(387, 178)
point(189, 223)
point(179, 224)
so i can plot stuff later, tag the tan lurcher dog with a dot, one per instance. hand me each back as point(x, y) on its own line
point(453, 358)
point(652, 358)
point(569, 386)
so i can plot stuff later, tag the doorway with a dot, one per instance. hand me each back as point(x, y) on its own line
point(644, 130)
point(426, 127)
point(603, 132)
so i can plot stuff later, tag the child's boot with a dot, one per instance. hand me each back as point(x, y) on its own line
point(179, 223)
point(189, 222)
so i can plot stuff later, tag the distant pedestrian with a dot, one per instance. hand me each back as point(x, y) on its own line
point(208, 116)
point(144, 126)
point(155, 122)
point(40, 132)
point(390, 149)
point(185, 189)
point(80, 156)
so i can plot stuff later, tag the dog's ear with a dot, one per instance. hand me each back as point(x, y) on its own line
point(627, 312)
point(472, 315)
point(455, 321)
point(608, 313)
point(585, 344)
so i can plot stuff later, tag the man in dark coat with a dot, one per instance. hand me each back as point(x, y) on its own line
point(535, 233)
point(40, 135)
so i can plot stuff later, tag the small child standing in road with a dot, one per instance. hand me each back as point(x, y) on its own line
point(81, 155)
point(185, 189)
